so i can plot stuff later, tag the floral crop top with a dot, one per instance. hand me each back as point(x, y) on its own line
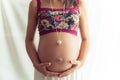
point(52, 20)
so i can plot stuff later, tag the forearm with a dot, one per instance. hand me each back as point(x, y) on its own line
point(32, 53)
point(83, 50)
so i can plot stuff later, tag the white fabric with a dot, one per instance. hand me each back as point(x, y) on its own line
point(14, 61)
point(76, 75)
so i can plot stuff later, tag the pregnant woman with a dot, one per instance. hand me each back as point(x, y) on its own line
point(58, 56)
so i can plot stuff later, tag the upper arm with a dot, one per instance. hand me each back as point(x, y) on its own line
point(32, 20)
point(83, 21)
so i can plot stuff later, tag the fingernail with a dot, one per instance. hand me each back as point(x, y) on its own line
point(49, 63)
point(74, 64)
point(70, 61)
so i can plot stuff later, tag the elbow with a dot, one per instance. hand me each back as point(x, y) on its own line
point(28, 44)
point(28, 40)
point(86, 40)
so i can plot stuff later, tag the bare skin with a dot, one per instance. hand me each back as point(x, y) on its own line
point(51, 59)
point(59, 56)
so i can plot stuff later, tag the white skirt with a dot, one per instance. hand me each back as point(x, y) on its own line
point(76, 75)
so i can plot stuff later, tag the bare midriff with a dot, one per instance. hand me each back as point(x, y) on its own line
point(58, 55)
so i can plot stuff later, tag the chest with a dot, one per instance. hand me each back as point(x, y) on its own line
point(57, 18)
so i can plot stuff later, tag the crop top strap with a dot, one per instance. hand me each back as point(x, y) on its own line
point(38, 5)
point(77, 1)
point(78, 5)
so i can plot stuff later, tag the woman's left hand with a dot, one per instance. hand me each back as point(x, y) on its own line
point(75, 65)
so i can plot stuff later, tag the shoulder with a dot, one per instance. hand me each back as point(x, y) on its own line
point(33, 6)
point(82, 6)
point(81, 3)
point(33, 3)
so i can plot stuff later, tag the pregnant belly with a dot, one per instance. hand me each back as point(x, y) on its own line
point(58, 55)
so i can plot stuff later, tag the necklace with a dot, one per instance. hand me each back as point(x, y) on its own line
point(59, 41)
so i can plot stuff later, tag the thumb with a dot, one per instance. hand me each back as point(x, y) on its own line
point(73, 61)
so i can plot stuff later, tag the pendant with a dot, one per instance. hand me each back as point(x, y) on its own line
point(59, 42)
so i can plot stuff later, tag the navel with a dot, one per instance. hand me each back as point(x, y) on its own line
point(59, 59)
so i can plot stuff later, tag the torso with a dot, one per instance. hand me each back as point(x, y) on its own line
point(58, 55)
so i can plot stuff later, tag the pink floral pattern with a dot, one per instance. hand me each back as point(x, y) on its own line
point(58, 18)
point(49, 20)
point(73, 26)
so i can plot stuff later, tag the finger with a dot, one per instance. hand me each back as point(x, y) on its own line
point(67, 72)
point(45, 64)
point(72, 61)
point(50, 73)
point(75, 62)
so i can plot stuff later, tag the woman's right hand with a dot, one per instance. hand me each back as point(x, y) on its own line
point(42, 67)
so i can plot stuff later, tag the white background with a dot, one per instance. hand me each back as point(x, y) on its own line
point(103, 61)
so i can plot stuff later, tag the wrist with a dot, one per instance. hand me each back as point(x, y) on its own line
point(36, 64)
